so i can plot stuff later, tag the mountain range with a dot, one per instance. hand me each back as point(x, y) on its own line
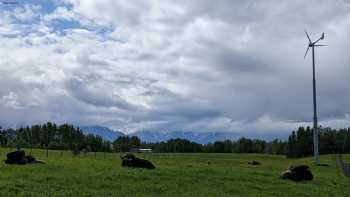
point(104, 132)
point(199, 137)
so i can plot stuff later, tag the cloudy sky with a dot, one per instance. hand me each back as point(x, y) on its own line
point(190, 65)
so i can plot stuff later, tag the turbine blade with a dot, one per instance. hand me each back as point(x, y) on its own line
point(316, 41)
point(308, 37)
point(321, 38)
point(306, 51)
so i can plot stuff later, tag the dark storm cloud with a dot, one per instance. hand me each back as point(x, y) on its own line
point(98, 96)
point(227, 59)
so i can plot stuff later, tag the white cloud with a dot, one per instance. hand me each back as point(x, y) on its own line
point(62, 13)
point(10, 100)
point(165, 65)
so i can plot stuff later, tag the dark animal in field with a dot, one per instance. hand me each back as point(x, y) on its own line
point(19, 157)
point(16, 157)
point(130, 160)
point(297, 173)
point(254, 163)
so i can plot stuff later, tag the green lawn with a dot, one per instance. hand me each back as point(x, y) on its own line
point(176, 175)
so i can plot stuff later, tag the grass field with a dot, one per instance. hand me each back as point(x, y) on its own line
point(176, 175)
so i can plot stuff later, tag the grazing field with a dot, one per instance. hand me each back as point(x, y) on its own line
point(175, 175)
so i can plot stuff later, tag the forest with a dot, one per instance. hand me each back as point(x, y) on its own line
point(69, 137)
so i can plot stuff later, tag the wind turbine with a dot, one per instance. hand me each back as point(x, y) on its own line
point(312, 45)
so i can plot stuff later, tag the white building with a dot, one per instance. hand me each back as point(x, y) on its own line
point(141, 150)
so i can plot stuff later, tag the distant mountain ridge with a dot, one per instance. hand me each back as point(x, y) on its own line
point(104, 132)
point(198, 137)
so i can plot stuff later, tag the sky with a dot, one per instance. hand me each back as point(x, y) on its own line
point(163, 65)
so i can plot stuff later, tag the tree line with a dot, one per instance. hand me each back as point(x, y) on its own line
point(52, 136)
point(68, 137)
point(298, 144)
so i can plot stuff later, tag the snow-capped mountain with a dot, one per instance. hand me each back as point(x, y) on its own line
point(199, 137)
point(104, 132)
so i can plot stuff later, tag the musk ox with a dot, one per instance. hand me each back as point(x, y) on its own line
point(130, 160)
point(254, 163)
point(297, 173)
point(19, 157)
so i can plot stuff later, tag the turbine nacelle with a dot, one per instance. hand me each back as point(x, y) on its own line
point(322, 37)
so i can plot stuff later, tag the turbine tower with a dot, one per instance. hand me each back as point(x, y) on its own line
point(312, 45)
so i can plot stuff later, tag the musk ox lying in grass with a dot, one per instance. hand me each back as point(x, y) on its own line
point(297, 173)
point(19, 157)
point(129, 160)
point(254, 163)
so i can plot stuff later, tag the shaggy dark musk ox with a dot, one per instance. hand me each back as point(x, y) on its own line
point(297, 173)
point(16, 157)
point(129, 160)
point(19, 157)
point(254, 163)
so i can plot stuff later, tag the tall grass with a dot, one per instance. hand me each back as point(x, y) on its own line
point(175, 175)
